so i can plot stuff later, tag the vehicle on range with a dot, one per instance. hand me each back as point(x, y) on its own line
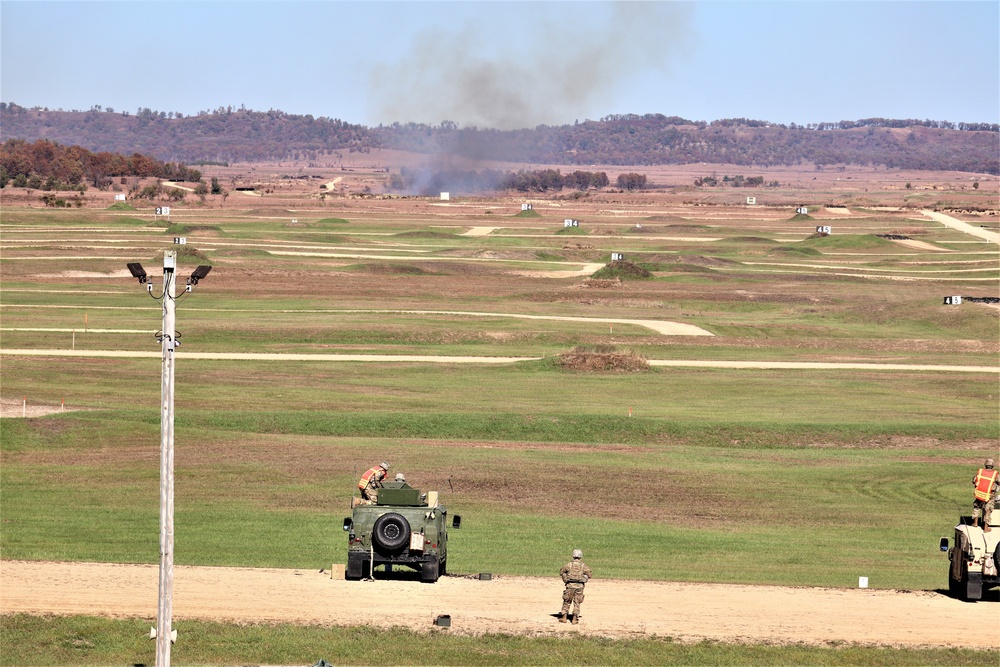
point(975, 559)
point(405, 528)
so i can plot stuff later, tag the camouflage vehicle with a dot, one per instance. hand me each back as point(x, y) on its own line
point(975, 559)
point(405, 528)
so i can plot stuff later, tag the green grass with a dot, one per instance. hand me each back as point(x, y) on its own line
point(39, 641)
point(272, 483)
point(818, 464)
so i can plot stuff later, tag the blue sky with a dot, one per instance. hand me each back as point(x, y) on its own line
point(509, 64)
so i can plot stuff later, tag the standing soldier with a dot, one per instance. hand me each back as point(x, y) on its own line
point(986, 484)
point(371, 482)
point(575, 574)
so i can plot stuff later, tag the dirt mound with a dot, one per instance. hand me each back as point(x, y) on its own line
point(622, 270)
point(604, 358)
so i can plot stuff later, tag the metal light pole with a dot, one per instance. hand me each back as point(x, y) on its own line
point(164, 633)
point(165, 607)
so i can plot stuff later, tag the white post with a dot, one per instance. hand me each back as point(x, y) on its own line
point(165, 603)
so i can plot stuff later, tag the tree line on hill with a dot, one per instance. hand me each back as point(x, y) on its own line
point(47, 165)
point(242, 135)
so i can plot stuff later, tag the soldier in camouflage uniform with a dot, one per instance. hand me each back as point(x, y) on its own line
point(371, 482)
point(986, 483)
point(575, 574)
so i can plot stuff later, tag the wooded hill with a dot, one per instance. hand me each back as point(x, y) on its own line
point(241, 135)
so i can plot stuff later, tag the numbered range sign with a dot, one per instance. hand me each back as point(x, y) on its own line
point(952, 300)
point(162, 210)
point(526, 207)
point(823, 229)
point(571, 223)
point(751, 201)
point(802, 210)
point(180, 240)
point(617, 257)
point(119, 197)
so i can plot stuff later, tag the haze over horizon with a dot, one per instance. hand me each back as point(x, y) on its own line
point(509, 65)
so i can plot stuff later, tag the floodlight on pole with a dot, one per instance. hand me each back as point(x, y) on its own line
point(168, 338)
point(137, 271)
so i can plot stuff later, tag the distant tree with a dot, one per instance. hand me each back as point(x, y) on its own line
point(631, 181)
point(216, 188)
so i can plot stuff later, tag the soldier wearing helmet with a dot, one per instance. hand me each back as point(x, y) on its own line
point(986, 483)
point(371, 482)
point(575, 574)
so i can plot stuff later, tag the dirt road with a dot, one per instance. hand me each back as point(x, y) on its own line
point(408, 358)
point(519, 605)
point(962, 226)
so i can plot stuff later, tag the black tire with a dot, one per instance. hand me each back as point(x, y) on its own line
point(443, 568)
point(956, 587)
point(430, 571)
point(958, 573)
point(391, 533)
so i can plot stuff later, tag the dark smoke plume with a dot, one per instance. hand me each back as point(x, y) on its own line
point(557, 68)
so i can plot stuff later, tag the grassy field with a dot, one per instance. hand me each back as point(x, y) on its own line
point(770, 467)
point(81, 640)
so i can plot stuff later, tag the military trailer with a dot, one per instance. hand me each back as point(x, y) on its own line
point(975, 559)
point(405, 528)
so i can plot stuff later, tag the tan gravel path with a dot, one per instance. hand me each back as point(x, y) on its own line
point(521, 605)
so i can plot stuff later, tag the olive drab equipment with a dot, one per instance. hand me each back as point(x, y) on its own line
point(403, 528)
point(985, 479)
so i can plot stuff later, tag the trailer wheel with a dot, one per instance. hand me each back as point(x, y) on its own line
point(391, 533)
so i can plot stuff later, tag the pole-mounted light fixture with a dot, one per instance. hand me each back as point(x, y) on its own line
point(168, 339)
point(138, 271)
point(198, 274)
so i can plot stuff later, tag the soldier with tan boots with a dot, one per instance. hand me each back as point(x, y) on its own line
point(986, 484)
point(575, 574)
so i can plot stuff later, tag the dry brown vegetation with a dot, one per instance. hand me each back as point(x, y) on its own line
point(602, 358)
